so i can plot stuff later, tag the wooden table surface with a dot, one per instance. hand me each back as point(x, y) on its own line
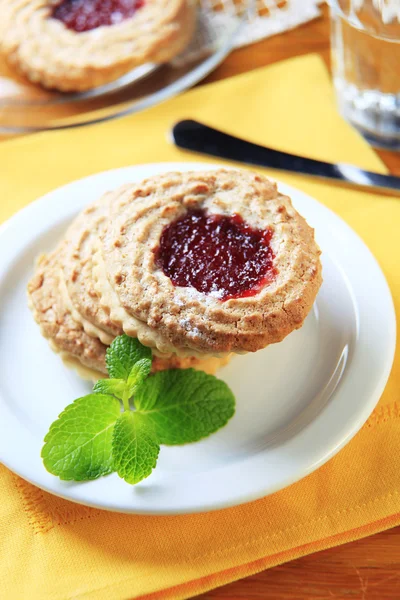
point(368, 569)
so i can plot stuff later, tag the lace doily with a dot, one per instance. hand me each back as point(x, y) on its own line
point(268, 17)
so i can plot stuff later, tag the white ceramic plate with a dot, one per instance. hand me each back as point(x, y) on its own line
point(298, 402)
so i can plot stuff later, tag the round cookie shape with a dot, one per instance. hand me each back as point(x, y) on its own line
point(48, 52)
point(67, 336)
point(84, 290)
point(90, 302)
point(188, 318)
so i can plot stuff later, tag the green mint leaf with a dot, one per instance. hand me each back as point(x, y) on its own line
point(184, 405)
point(135, 447)
point(78, 445)
point(114, 387)
point(123, 353)
point(139, 372)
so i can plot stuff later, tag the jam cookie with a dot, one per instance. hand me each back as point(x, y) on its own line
point(76, 45)
point(81, 271)
point(129, 324)
point(215, 262)
point(108, 299)
point(67, 337)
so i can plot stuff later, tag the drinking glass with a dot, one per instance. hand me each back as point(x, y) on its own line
point(366, 67)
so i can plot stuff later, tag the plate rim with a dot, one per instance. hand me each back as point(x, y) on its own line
point(262, 491)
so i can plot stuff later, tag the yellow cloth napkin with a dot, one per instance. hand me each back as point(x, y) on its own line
point(53, 549)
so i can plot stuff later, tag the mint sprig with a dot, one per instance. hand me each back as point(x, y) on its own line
point(78, 446)
point(95, 435)
point(123, 354)
point(135, 447)
point(185, 405)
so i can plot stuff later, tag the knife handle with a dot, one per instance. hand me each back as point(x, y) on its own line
point(192, 135)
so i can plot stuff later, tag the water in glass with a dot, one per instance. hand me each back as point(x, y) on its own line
point(366, 66)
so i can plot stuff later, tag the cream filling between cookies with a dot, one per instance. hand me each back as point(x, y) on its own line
point(88, 327)
point(208, 365)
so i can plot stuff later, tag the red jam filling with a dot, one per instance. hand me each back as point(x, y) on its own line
point(84, 15)
point(216, 254)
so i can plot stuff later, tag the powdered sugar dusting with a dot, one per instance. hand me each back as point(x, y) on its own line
point(187, 326)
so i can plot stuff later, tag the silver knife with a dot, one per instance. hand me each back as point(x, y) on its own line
point(198, 137)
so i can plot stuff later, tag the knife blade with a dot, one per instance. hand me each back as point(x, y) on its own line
point(195, 136)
